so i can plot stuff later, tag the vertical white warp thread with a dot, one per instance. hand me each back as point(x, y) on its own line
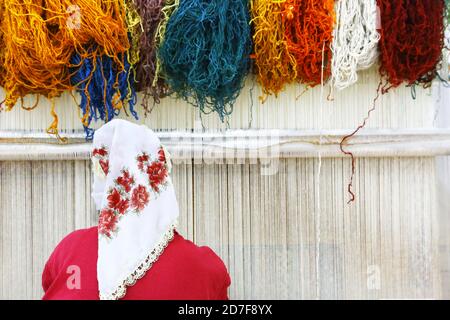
point(355, 39)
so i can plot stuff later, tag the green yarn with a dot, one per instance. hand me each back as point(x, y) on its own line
point(447, 11)
point(205, 53)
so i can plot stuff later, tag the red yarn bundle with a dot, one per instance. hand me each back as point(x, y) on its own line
point(411, 41)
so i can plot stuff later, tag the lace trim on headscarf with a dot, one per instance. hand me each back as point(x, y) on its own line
point(143, 267)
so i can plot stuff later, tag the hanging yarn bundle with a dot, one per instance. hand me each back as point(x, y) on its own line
point(2, 48)
point(151, 15)
point(36, 51)
point(169, 8)
point(444, 72)
point(134, 26)
point(447, 36)
point(447, 13)
point(105, 88)
point(101, 71)
point(275, 66)
point(309, 31)
point(42, 38)
point(355, 40)
point(411, 41)
point(447, 24)
point(205, 53)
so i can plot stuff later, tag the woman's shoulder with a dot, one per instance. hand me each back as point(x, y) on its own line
point(80, 242)
point(200, 258)
point(77, 249)
point(78, 237)
point(80, 234)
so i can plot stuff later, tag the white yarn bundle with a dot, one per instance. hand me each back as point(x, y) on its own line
point(355, 40)
point(446, 55)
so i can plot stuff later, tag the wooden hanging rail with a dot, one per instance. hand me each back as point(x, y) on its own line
point(243, 144)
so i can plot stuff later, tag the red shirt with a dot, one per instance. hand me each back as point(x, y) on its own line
point(183, 272)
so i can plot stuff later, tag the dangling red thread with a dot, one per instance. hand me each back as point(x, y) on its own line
point(347, 137)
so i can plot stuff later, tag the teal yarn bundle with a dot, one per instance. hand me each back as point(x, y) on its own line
point(205, 53)
point(447, 12)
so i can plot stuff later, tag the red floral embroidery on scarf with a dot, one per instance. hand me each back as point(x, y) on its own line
point(121, 198)
point(161, 155)
point(142, 160)
point(125, 195)
point(102, 155)
point(100, 152)
point(156, 170)
point(107, 223)
point(123, 206)
point(126, 180)
point(139, 198)
point(157, 174)
point(105, 165)
point(114, 198)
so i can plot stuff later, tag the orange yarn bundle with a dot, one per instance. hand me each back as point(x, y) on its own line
point(309, 31)
point(40, 38)
point(34, 55)
point(2, 52)
point(275, 65)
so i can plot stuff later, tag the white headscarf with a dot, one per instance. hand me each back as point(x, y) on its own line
point(136, 199)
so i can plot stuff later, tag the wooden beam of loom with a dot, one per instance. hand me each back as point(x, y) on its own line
point(244, 144)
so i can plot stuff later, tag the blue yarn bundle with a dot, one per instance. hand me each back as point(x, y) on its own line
point(105, 88)
point(205, 53)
